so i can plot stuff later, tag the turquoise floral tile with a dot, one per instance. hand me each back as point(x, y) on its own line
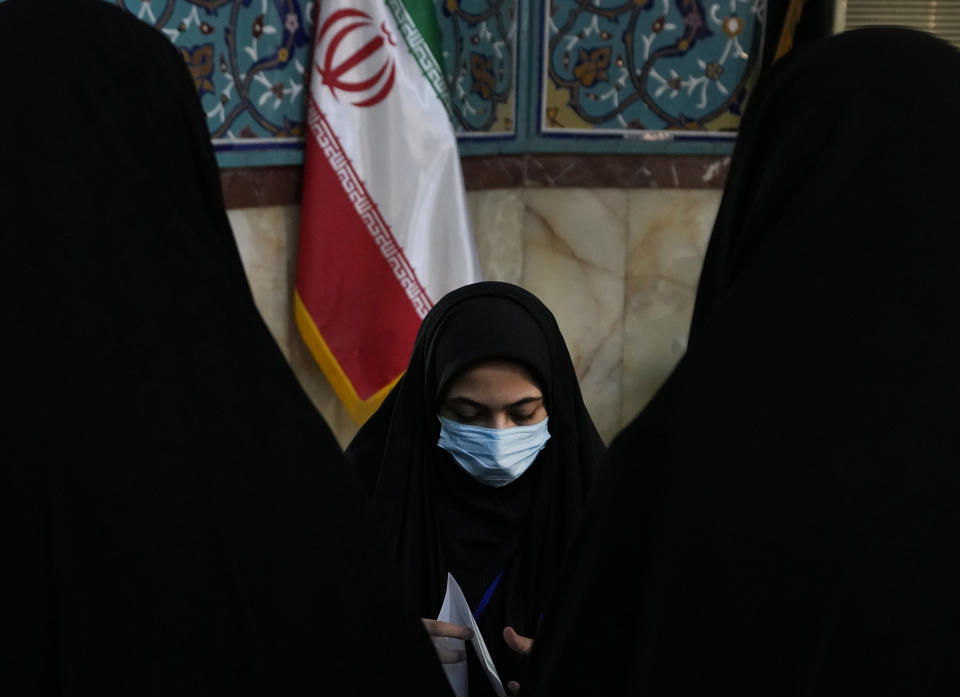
point(648, 67)
point(537, 76)
point(480, 42)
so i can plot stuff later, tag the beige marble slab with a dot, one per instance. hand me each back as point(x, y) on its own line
point(574, 261)
point(497, 216)
point(263, 238)
point(668, 235)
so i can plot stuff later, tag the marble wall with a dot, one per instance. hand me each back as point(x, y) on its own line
point(618, 268)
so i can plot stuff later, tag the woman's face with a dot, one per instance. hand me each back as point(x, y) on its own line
point(496, 394)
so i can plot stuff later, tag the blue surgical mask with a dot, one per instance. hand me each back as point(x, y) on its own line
point(493, 456)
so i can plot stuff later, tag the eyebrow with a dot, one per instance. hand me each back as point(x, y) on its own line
point(466, 401)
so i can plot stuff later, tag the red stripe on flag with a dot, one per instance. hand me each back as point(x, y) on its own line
point(352, 276)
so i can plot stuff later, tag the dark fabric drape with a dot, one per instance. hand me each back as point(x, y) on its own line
point(438, 517)
point(176, 517)
point(782, 518)
point(816, 19)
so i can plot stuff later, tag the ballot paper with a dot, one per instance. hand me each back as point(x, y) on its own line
point(456, 611)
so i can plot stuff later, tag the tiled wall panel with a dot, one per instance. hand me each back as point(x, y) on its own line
point(653, 76)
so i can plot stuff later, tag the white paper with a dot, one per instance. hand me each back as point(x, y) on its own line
point(456, 611)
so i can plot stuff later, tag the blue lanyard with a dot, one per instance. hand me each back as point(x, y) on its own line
point(485, 599)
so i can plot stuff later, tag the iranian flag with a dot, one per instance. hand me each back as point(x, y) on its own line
point(384, 230)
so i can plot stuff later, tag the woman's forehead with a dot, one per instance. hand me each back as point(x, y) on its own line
point(499, 381)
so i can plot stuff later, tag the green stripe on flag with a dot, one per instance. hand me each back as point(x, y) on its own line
point(421, 32)
point(423, 14)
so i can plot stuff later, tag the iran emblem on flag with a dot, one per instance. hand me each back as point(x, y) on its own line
point(384, 230)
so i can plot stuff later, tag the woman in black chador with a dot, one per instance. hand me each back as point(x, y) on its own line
point(479, 462)
point(782, 519)
point(176, 517)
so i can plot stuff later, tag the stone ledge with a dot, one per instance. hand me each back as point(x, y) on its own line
point(249, 187)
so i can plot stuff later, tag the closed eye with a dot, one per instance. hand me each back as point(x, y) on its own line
point(522, 417)
point(462, 417)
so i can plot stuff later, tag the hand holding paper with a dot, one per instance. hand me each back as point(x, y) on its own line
point(441, 633)
point(455, 611)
